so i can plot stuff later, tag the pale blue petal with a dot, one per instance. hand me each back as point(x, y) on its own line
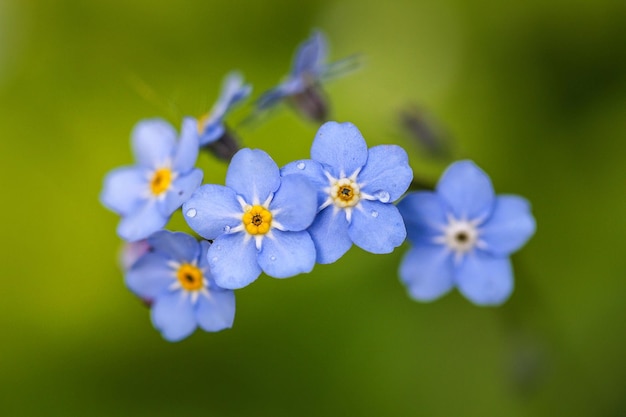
point(311, 55)
point(233, 91)
point(484, 279)
point(124, 189)
point(387, 173)
point(146, 220)
point(427, 271)
point(217, 312)
point(467, 190)
point(313, 172)
point(211, 210)
point(212, 132)
point(377, 227)
point(188, 146)
point(182, 189)
point(203, 260)
point(329, 232)
point(149, 276)
point(424, 216)
point(341, 147)
point(295, 203)
point(286, 254)
point(177, 246)
point(153, 143)
point(253, 175)
point(510, 226)
point(172, 314)
point(272, 97)
point(233, 263)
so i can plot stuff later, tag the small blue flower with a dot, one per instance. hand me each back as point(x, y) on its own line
point(211, 125)
point(257, 221)
point(355, 191)
point(147, 194)
point(462, 235)
point(174, 276)
point(302, 86)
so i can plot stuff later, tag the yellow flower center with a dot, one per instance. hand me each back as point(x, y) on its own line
point(345, 193)
point(161, 181)
point(257, 220)
point(201, 122)
point(190, 277)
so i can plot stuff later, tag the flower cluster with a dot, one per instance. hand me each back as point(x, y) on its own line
point(283, 220)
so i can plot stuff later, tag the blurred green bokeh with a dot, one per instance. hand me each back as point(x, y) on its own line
point(533, 91)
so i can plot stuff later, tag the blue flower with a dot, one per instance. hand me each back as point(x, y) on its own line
point(174, 276)
point(355, 189)
point(462, 235)
point(211, 125)
point(257, 221)
point(147, 194)
point(302, 86)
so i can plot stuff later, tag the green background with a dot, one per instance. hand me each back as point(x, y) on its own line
point(533, 91)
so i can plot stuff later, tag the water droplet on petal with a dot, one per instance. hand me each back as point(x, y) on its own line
point(301, 165)
point(374, 213)
point(383, 196)
point(272, 258)
point(218, 247)
point(214, 259)
point(226, 229)
point(191, 212)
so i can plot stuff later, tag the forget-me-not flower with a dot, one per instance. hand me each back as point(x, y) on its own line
point(211, 126)
point(257, 221)
point(356, 187)
point(175, 278)
point(147, 194)
point(462, 235)
point(302, 87)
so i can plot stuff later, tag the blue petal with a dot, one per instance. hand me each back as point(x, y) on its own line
point(424, 216)
point(253, 174)
point(467, 190)
point(313, 172)
point(212, 209)
point(217, 312)
point(485, 280)
point(427, 271)
point(181, 191)
point(295, 203)
point(387, 170)
point(329, 232)
point(212, 132)
point(510, 226)
point(146, 220)
point(285, 254)
point(203, 260)
point(272, 97)
point(310, 56)
point(341, 147)
point(233, 262)
point(172, 314)
point(233, 91)
point(149, 276)
point(377, 227)
point(153, 143)
point(187, 149)
point(176, 246)
point(123, 189)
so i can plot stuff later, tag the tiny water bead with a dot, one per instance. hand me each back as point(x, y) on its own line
point(191, 213)
point(161, 181)
point(257, 220)
point(374, 213)
point(382, 196)
point(190, 277)
point(301, 165)
point(345, 193)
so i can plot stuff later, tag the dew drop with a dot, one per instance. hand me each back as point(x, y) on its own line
point(226, 229)
point(218, 247)
point(214, 259)
point(272, 258)
point(191, 212)
point(383, 196)
point(374, 213)
point(301, 165)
